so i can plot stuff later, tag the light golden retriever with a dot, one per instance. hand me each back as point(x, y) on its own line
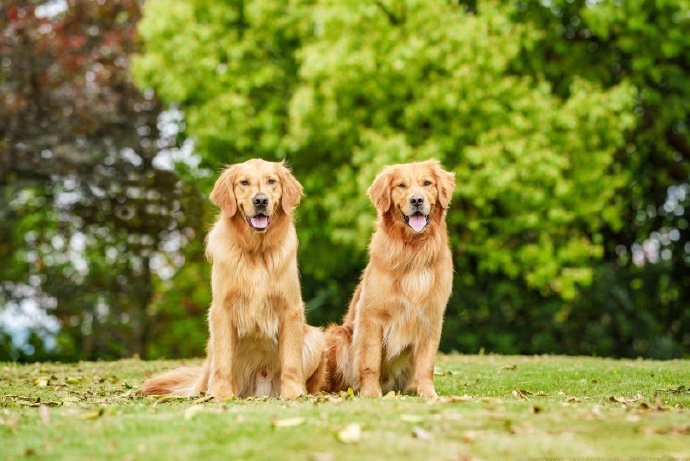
point(391, 332)
point(259, 343)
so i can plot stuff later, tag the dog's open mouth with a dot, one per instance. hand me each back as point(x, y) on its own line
point(416, 221)
point(259, 222)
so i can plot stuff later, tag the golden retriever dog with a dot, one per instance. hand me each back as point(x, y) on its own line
point(391, 332)
point(259, 343)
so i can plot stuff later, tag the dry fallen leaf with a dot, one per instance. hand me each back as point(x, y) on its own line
point(522, 429)
point(204, 399)
point(44, 414)
point(625, 401)
point(471, 436)
point(42, 381)
point(455, 398)
point(322, 456)
point(683, 430)
point(421, 434)
point(659, 405)
point(168, 398)
point(676, 390)
point(288, 422)
point(596, 411)
point(520, 395)
point(352, 433)
point(412, 418)
point(69, 400)
point(390, 395)
point(349, 394)
point(192, 411)
point(10, 423)
point(679, 430)
point(93, 414)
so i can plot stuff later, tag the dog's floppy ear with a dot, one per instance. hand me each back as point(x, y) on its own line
point(223, 194)
point(380, 191)
point(446, 184)
point(292, 189)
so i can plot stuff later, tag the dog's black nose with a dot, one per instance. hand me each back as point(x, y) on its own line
point(260, 200)
point(416, 200)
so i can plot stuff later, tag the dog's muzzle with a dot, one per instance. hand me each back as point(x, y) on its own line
point(261, 219)
point(417, 220)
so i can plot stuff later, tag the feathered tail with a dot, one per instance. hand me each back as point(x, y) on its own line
point(338, 358)
point(184, 381)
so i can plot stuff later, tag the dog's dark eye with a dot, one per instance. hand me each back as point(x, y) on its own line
point(427, 183)
point(244, 182)
point(402, 185)
point(271, 181)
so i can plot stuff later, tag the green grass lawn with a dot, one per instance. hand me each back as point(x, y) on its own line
point(502, 408)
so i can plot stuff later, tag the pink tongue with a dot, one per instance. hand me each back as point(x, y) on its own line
point(259, 221)
point(417, 222)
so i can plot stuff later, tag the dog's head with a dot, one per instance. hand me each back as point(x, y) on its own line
point(257, 189)
point(410, 193)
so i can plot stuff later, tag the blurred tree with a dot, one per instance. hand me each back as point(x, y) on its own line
point(536, 180)
point(547, 173)
point(233, 67)
point(646, 279)
point(565, 121)
point(92, 215)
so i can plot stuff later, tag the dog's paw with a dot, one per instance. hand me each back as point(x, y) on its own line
point(220, 392)
point(291, 390)
point(370, 390)
point(427, 392)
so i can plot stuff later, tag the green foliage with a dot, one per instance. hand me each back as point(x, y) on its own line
point(566, 123)
point(540, 111)
point(535, 182)
point(367, 85)
point(229, 61)
point(644, 43)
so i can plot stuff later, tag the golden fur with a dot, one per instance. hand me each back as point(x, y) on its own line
point(259, 343)
point(390, 334)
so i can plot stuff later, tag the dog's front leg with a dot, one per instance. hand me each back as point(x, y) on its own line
point(223, 340)
point(368, 350)
point(423, 359)
point(290, 344)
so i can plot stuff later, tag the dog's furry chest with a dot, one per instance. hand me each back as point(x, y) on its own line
point(400, 338)
point(257, 319)
point(404, 329)
point(416, 285)
point(410, 321)
point(255, 311)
